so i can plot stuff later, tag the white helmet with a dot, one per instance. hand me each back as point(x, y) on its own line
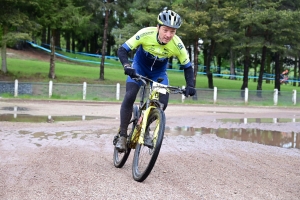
point(169, 18)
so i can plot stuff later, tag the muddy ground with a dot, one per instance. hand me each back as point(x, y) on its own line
point(73, 159)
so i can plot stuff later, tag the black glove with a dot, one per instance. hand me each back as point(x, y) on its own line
point(189, 91)
point(130, 71)
point(189, 77)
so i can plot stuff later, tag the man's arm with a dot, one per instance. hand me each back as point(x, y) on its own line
point(123, 56)
point(189, 76)
point(190, 83)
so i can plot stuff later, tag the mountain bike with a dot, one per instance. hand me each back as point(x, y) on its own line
point(147, 127)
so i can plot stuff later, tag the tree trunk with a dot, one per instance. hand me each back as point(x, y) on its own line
point(246, 69)
point(3, 52)
point(232, 65)
point(209, 58)
point(295, 71)
point(277, 71)
point(104, 45)
point(52, 56)
point(261, 70)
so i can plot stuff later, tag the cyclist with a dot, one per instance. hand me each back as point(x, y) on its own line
point(155, 45)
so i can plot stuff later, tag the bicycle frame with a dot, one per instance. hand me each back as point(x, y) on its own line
point(148, 121)
point(145, 107)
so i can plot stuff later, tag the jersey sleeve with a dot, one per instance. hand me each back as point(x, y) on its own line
point(182, 53)
point(134, 41)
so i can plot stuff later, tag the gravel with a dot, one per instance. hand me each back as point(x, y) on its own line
point(73, 159)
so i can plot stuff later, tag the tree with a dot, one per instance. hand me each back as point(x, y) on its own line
point(57, 15)
point(194, 26)
point(15, 24)
point(107, 8)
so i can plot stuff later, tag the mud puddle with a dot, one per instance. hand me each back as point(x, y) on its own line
point(259, 120)
point(50, 119)
point(266, 137)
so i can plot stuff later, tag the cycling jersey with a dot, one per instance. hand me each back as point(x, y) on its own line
point(151, 58)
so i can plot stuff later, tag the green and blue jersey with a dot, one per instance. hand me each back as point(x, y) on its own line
point(151, 58)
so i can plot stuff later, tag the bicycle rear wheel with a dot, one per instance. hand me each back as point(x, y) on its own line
point(120, 158)
point(144, 156)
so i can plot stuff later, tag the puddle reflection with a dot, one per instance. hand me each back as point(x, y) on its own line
point(266, 137)
point(40, 136)
point(260, 120)
point(50, 119)
point(15, 108)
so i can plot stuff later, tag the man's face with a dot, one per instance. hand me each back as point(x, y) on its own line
point(165, 33)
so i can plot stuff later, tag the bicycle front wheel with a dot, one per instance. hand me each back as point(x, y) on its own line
point(120, 158)
point(145, 156)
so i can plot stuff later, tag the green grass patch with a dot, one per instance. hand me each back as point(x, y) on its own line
point(37, 71)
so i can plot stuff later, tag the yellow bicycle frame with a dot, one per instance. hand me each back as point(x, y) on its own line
point(144, 124)
point(154, 95)
point(139, 131)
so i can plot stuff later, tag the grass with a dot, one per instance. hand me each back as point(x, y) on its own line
point(37, 71)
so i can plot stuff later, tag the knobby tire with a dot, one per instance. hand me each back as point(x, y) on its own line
point(120, 158)
point(144, 157)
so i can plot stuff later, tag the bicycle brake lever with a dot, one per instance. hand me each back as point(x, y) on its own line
point(144, 82)
point(139, 78)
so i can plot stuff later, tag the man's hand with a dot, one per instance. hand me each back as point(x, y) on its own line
point(130, 71)
point(190, 82)
point(189, 91)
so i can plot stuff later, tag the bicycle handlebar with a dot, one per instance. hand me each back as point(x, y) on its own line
point(172, 89)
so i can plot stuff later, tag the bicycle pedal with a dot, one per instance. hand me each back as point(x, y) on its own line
point(148, 143)
point(150, 146)
point(115, 140)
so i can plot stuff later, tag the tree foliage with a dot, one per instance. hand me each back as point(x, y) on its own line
point(248, 32)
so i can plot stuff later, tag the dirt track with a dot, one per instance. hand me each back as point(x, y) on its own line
point(73, 160)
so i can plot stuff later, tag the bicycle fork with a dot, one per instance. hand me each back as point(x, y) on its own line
point(144, 125)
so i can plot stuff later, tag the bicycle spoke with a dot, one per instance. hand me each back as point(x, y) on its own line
point(145, 157)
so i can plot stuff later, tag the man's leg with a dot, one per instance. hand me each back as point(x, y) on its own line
point(132, 90)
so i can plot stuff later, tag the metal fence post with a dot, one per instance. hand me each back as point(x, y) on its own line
point(16, 87)
point(84, 91)
point(294, 99)
point(50, 88)
point(118, 91)
point(275, 97)
point(215, 94)
point(246, 95)
point(182, 96)
point(15, 111)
